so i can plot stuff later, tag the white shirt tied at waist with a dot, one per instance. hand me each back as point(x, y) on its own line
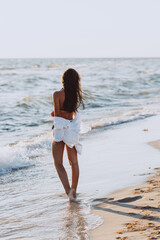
point(68, 131)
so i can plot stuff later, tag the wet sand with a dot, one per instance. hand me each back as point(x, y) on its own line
point(132, 213)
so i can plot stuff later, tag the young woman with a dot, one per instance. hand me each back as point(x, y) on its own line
point(66, 128)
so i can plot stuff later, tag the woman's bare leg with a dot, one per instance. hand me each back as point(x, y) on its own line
point(57, 153)
point(73, 160)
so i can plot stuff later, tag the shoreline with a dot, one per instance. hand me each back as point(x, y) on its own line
point(131, 213)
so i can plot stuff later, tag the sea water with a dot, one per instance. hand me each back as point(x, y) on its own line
point(121, 99)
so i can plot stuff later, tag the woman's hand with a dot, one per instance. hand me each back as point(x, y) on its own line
point(52, 114)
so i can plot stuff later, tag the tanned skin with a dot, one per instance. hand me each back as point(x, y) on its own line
point(58, 149)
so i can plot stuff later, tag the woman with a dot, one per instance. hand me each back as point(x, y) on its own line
point(66, 128)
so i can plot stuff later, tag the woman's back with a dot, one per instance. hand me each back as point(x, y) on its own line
point(58, 98)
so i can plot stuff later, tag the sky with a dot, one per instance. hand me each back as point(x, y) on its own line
point(79, 28)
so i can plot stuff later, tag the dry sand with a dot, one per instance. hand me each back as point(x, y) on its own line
point(132, 213)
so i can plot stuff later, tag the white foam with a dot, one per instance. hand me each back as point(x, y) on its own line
point(13, 159)
point(124, 116)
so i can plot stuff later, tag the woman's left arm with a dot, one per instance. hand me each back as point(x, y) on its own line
point(56, 104)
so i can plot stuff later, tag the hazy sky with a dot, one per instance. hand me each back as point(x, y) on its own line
point(79, 28)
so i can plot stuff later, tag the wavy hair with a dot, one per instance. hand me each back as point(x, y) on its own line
point(72, 88)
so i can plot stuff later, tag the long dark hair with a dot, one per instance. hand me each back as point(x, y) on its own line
point(73, 92)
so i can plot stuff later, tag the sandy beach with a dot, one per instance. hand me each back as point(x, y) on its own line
point(132, 213)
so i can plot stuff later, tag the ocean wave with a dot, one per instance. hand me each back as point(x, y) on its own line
point(144, 73)
point(36, 66)
point(118, 122)
point(24, 154)
point(7, 68)
point(26, 102)
point(121, 118)
point(155, 77)
point(28, 99)
point(144, 92)
point(14, 168)
point(23, 105)
point(54, 65)
point(133, 94)
point(102, 86)
point(31, 80)
point(12, 159)
point(11, 73)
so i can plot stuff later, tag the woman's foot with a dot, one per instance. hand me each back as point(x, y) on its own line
point(72, 194)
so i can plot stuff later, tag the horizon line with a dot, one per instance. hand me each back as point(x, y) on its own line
point(69, 57)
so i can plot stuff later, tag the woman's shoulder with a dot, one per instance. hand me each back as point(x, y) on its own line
point(58, 93)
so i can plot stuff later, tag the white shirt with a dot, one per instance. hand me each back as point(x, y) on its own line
point(68, 131)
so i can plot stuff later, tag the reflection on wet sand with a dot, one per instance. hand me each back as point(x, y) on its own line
point(75, 223)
